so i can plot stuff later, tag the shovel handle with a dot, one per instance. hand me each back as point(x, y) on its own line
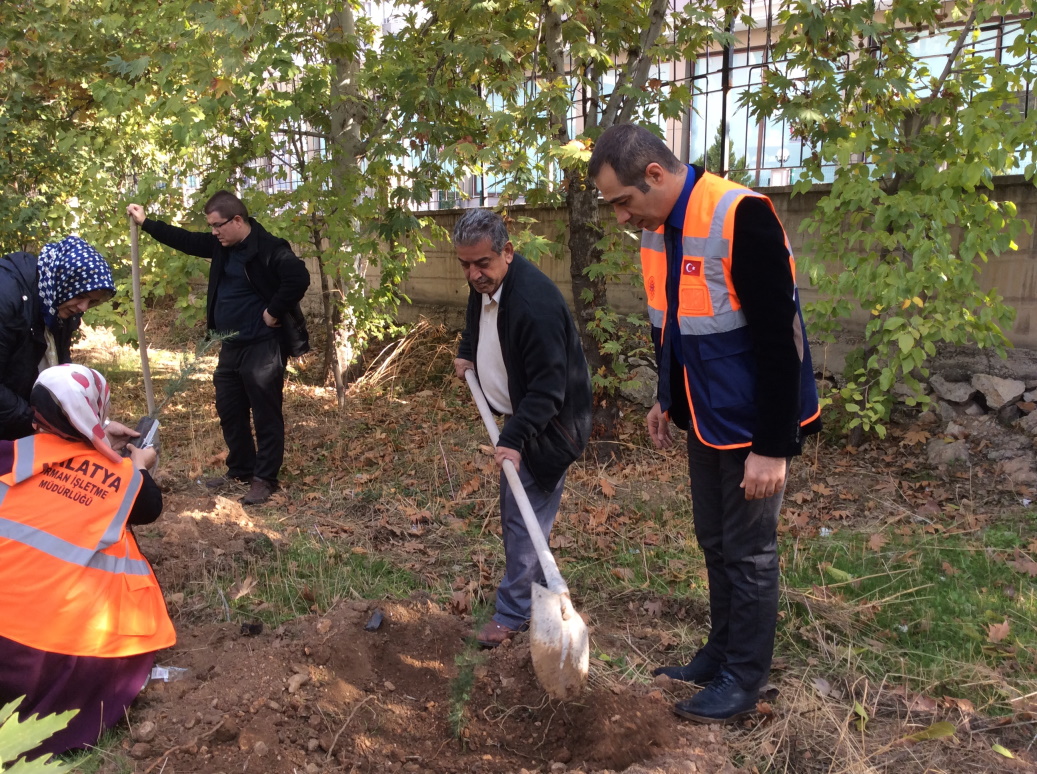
point(138, 312)
point(555, 582)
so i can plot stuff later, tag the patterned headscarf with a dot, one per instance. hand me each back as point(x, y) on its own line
point(71, 401)
point(68, 269)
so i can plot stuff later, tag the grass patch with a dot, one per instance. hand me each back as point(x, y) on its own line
point(282, 581)
point(928, 612)
point(105, 756)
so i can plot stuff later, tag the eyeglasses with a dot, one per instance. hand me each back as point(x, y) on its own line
point(218, 226)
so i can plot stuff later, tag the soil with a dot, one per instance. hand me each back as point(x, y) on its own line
point(321, 693)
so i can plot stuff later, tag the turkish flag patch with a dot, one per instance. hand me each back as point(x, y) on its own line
point(692, 267)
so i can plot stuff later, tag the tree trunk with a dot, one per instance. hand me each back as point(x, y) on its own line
point(590, 295)
point(347, 112)
point(327, 295)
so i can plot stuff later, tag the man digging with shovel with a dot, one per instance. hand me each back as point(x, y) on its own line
point(521, 341)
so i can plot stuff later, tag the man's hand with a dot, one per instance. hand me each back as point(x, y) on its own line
point(142, 459)
point(461, 365)
point(764, 476)
point(270, 320)
point(119, 435)
point(659, 428)
point(505, 453)
point(136, 212)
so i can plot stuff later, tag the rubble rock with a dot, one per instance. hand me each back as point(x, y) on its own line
point(1006, 415)
point(955, 392)
point(928, 418)
point(1028, 424)
point(645, 393)
point(1020, 470)
point(946, 411)
point(998, 392)
point(940, 452)
point(973, 409)
point(1030, 396)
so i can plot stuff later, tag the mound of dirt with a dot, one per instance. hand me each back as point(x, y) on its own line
point(323, 694)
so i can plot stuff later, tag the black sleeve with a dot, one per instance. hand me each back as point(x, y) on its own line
point(292, 280)
point(539, 350)
point(190, 242)
point(765, 286)
point(148, 505)
point(466, 348)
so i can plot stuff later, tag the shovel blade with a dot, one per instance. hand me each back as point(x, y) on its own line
point(558, 643)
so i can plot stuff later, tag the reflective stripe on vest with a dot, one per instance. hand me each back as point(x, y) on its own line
point(41, 540)
point(68, 552)
point(24, 454)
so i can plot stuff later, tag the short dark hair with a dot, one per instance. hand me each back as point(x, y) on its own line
point(476, 225)
point(227, 205)
point(629, 149)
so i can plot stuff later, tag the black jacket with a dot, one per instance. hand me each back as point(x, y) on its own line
point(22, 341)
point(277, 275)
point(548, 379)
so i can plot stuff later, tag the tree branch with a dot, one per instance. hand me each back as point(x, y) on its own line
point(555, 54)
point(620, 109)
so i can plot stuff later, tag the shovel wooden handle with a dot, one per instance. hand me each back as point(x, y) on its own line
point(138, 311)
point(555, 582)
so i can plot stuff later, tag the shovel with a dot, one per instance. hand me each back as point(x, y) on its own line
point(557, 633)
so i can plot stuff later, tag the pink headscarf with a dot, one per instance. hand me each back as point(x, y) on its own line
point(71, 401)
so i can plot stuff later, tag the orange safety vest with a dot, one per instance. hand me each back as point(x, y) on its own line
point(72, 578)
point(719, 364)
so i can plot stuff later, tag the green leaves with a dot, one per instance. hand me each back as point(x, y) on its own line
point(940, 730)
point(19, 737)
point(916, 142)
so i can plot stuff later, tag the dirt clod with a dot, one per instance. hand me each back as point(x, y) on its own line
point(144, 732)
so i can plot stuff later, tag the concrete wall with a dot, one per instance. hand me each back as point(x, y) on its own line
point(438, 289)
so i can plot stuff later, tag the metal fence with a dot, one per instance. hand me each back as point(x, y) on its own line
point(758, 153)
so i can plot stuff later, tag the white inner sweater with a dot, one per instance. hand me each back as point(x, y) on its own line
point(489, 361)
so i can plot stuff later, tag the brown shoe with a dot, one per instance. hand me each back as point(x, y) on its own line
point(225, 484)
point(259, 492)
point(493, 634)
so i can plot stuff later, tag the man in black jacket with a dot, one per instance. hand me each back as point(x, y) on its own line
point(255, 285)
point(520, 339)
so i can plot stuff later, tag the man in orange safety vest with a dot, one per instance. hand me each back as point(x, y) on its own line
point(735, 372)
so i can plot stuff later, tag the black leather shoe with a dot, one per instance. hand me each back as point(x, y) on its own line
point(722, 701)
point(700, 670)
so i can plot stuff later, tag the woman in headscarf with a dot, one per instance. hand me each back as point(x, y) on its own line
point(42, 300)
point(81, 612)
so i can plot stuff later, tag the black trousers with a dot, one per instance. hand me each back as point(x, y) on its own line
point(249, 381)
point(739, 539)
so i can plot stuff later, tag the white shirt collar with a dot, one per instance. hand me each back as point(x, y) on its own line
point(494, 298)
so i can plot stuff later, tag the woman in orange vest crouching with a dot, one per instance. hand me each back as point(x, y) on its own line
point(81, 612)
